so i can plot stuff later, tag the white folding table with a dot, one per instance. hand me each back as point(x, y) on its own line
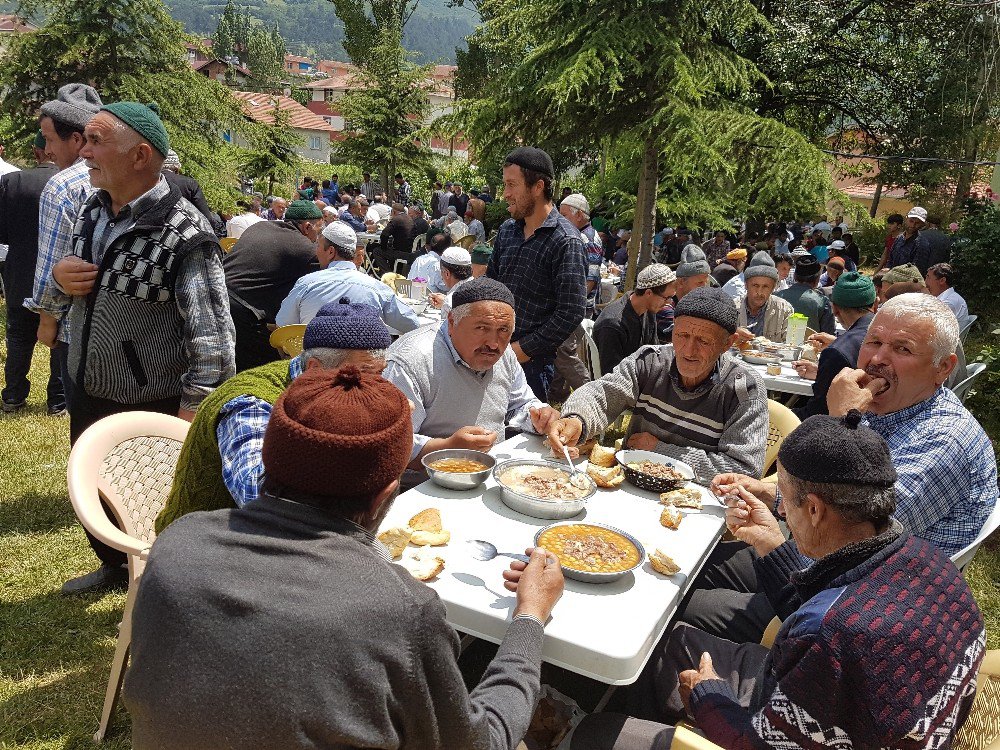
point(787, 382)
point(602, 631)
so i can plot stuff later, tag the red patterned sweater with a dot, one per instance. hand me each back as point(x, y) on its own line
point(882, 652)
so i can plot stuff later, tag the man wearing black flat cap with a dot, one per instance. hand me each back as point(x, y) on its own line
point(539, 255)
point(690, 400)
point(806, 299)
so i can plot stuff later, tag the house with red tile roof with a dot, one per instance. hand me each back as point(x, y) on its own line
point(312, 129)
point(11, 25)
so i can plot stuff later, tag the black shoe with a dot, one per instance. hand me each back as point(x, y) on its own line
point(11, 407)
point(57, 410)
point(105, 578)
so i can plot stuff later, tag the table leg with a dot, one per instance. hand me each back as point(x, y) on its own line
point(466, 641)
point(604, 699)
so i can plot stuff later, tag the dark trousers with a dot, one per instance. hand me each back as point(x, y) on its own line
point(724, 599)
point(538, 373)
point(654, 701)
point(253, 346)
point(570, 371)
point(22, 335)
point(88, 410)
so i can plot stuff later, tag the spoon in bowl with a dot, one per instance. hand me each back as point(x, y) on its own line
point(576, 477)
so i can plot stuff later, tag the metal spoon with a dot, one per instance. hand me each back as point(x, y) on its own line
point(575, 474)
point(487, 551)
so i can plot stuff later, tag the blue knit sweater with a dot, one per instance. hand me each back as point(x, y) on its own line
point(882, 651)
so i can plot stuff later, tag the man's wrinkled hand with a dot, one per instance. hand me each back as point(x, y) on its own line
point(690, 678)
point(806, 369)
point(821, 340)
point(744, 335)
point(75, 276)
point(48, 330)
point(852, 389)
point(751, 522)
point(543, 418)
point(538, 583)
point(642, 441)
point(473, 438)
point(564, 431)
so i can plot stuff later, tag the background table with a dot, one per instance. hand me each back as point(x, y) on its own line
point(787, 382)
point(603, 631)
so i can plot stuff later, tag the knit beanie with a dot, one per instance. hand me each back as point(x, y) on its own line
point(483, 289)
point(173, 161)
point(761, 264)
point(145, 120)
point(905, 272)
point(481, 255)
point(346, 325)
point(577, 201)
point(39, 141)
point(709, 304)
point(807, 268)
point(338, 233)
point(654, 275)
point(532, 158)
point(693, 261)
point(853, 290)
point(338, 434)
point(303, 209)
point(74, 105)
point(837, 450)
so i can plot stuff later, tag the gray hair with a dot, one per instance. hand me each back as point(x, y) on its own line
point(944, 340)
point(332, 358)
point(855, 503)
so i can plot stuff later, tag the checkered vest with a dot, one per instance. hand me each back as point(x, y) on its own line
point(131, 349)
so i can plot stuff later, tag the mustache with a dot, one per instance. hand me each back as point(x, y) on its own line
point(487, 350)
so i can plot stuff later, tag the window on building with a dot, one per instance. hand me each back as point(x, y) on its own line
point(315, 143)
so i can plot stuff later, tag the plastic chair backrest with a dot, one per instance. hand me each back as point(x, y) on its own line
point(288, 339)
point(227, 243)
point(981, 730)
point(418, 243)
point(685, 739)
point(592, 358)
point(972, 372)
point(468, 241)
point(129, 459)
point(965, 329)
point(780, 422)
point(964, 557)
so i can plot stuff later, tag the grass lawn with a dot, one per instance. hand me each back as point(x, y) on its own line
point(55, 652)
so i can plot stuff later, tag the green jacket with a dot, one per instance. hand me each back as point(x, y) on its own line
point(198, 481)
point(813, 304)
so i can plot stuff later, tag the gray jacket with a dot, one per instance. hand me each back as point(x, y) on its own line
point(776, 314)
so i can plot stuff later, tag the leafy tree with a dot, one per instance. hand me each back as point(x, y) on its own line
point(371, 25)
point(138, 55)
point(224, 38)
point(385, 110)
point(663, 75)
point(273, 158)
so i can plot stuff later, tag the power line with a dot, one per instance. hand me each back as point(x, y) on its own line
point(922, 159)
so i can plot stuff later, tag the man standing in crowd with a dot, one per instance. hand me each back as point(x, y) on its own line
point(474, 226)
point(261, 269)
point(395, 238)
point(439, 201)
point(362, 651)
point(806, 299)
point(760, 311)
point(404, 191)
point(910, 246)
point(340, 279)
point(576, 210)
point(717, 248)
point(629, 322)
point(62, 123)
point(947, 473)
point(477, 205)
point(853, 300)
point(939, 283)
point(151, 329)
point(420, 226)
point(690, 401)
point(189, 188)
point(938, 242)
point(851, 660)
point(20, 192)
point(894, 229)
point(459, 200)
point(219, 465)
point(540, 257)
point(369, 188)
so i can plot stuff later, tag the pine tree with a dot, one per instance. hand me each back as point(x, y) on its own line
point(224, 40)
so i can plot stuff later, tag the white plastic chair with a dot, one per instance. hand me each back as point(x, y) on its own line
point(128, 460)
point(418, 243)
point(964, 557)
point(972, 372)
point(592, 358)
point(965, 329)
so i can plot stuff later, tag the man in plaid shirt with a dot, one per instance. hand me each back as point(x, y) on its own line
point(947, 473)
point(539, 255)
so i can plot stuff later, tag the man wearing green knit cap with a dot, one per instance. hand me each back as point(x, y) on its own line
point(149, 320)
point(853, 298)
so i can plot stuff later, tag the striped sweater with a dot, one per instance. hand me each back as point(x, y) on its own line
point(718, 426)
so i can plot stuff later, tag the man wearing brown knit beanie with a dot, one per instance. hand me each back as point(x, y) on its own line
point(284, 624)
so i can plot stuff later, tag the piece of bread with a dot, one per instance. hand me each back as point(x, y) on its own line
point(671, 517)
point(663, 563)
point(685, 497)
point(395, 540)
point(430, 538)
point(426, 520)
point(423, 564)
point(606, 478)
point(619, 443)
point(603, 457)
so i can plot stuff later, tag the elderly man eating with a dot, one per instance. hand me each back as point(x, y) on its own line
point(947, 472)
point(881, 637)
point(761, 313)
point(219, 465)
point(690, 401)
point(463, 378)
point(284, 625)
